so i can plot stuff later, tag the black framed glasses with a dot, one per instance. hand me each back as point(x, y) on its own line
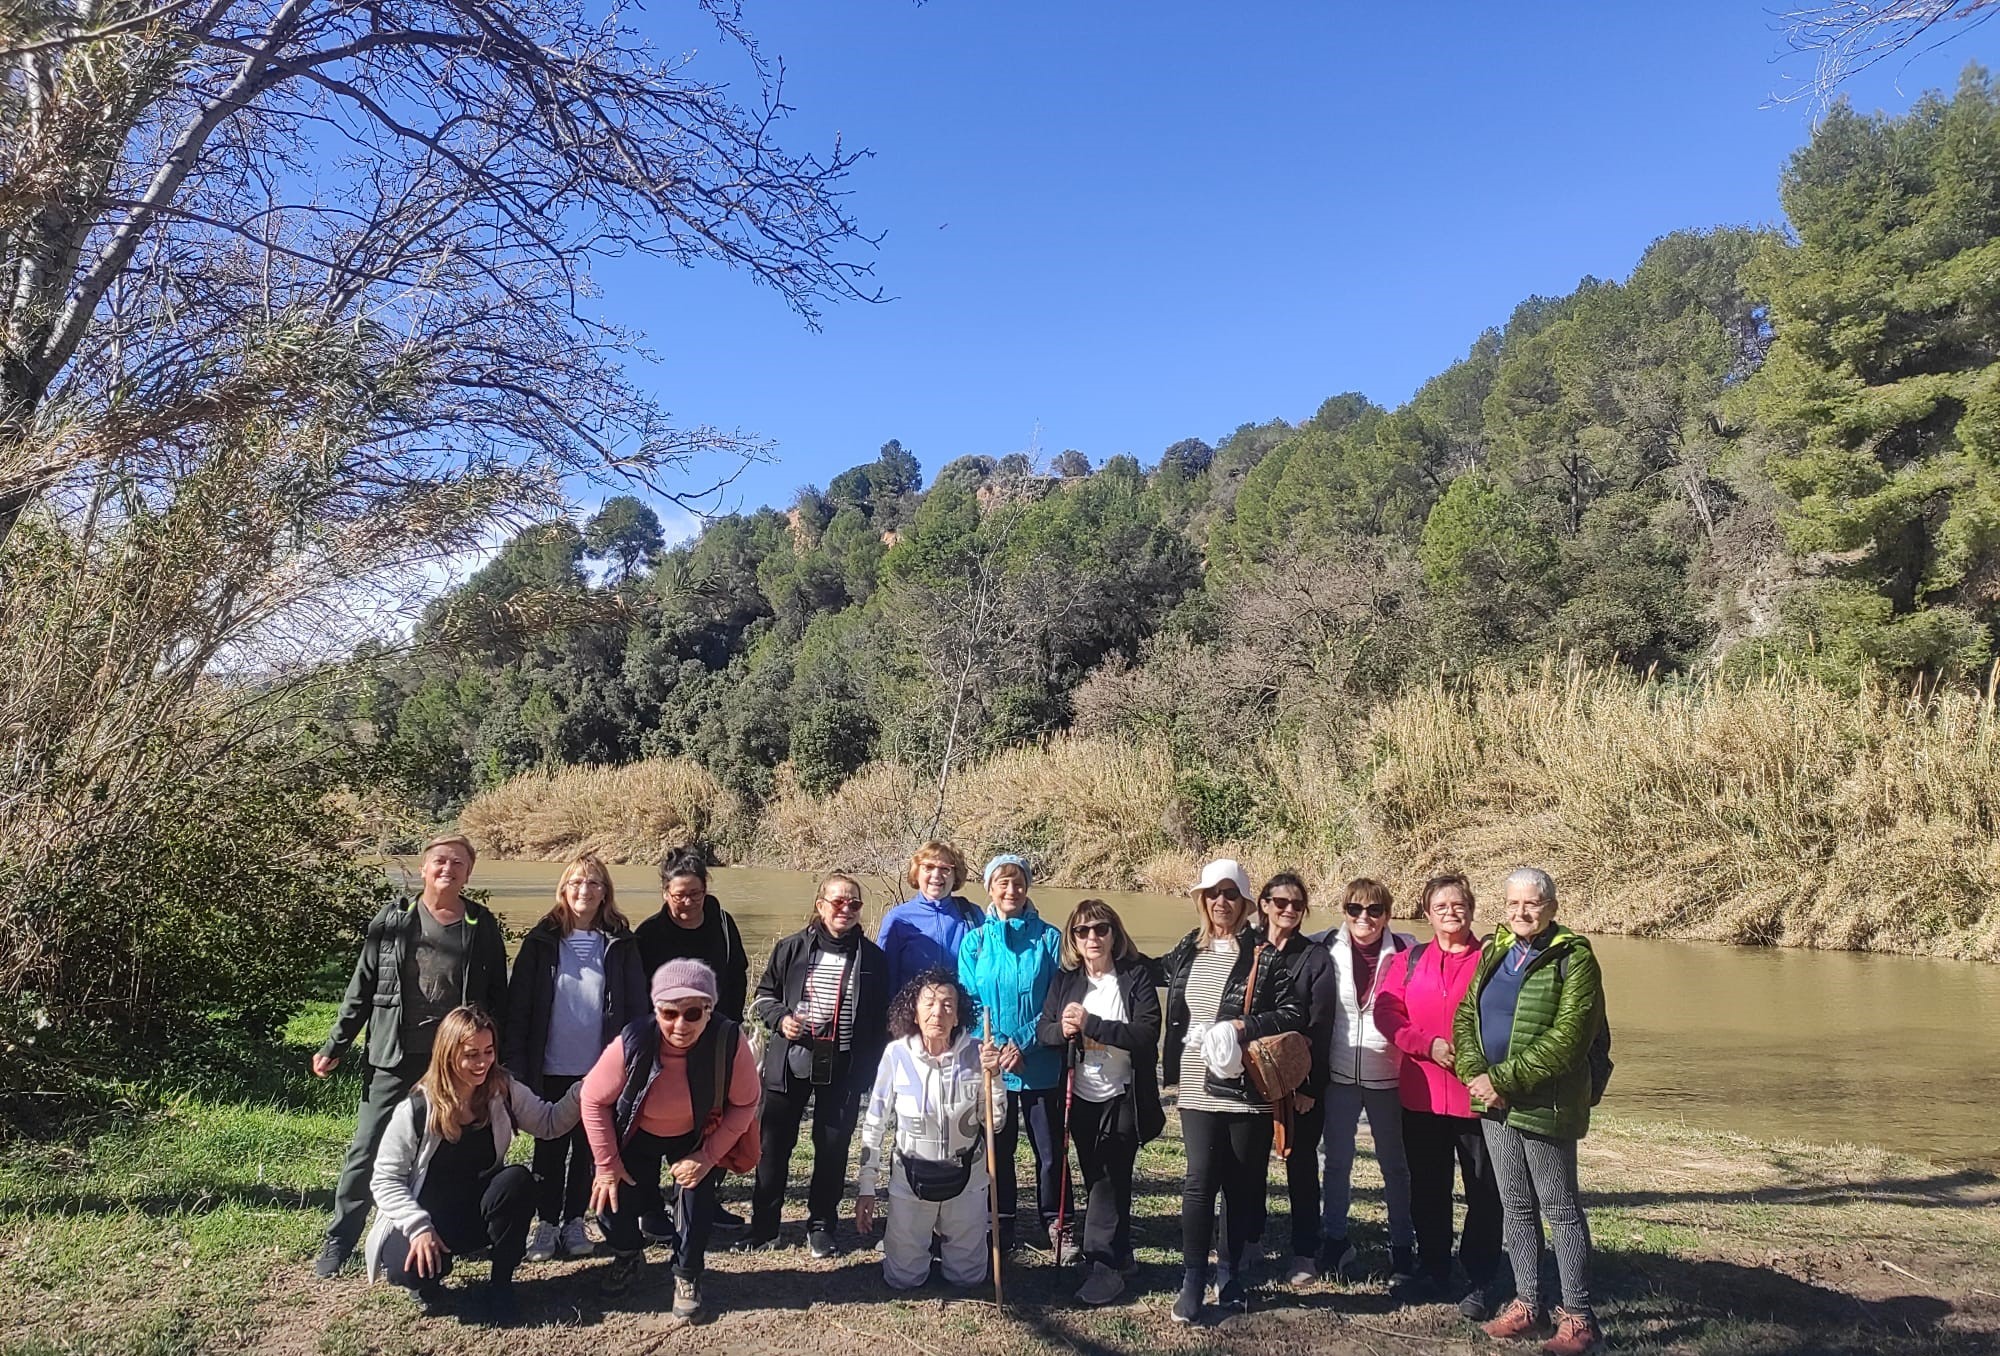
point(1285, 904)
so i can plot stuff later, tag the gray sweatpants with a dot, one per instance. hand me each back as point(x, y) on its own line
point(1537, 1180)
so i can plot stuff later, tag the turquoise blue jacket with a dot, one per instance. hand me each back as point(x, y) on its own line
point(1006, 965)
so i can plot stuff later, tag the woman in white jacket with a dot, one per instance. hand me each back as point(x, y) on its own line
point(442, 1184)
point(929, 1084)
point(1363, 1071)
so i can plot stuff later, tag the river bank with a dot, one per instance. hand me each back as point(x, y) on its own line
point(1771, 812)
point(189, 1228)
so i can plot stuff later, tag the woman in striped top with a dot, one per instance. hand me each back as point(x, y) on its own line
point(1220, 997)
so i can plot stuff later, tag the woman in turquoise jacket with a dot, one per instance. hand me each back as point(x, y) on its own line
point(1006, 964)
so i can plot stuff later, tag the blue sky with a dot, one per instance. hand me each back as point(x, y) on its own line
point(1126, 224)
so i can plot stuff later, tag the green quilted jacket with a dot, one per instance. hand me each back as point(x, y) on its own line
point(1546, 1075)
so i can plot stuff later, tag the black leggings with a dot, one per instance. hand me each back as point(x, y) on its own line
point(1227, 1152)
point(1042, 1109)
point(1432, 1143)
point(1106, 1135)
point(836, 1106)
point(647, 1157)
point(563, 1166)
point(1302, 1177)
point(499, 1221)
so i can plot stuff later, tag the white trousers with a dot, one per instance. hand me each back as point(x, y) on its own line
point(960, 1224)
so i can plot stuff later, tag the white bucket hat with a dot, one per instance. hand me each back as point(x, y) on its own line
point(1220, 870)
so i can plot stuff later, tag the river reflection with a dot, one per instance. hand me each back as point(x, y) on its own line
point(1777, 1044)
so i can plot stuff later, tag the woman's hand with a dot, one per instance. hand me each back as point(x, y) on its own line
point(864, 1214)
point(324, 1065)
point(427, 1254)
point(1072, 1021)
point(1481, 1086)
point(1301, 1103)
point(1442, 1053)
point(790, 1027)
point(1010, 1058)
point(604, 1190)
point(989, 1057)
point(689, 1172)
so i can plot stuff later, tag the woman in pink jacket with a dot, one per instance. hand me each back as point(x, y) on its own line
point(1419, 996)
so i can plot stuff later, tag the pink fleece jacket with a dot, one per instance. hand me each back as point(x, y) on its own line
point(1414, 1009)
point(666, 1112)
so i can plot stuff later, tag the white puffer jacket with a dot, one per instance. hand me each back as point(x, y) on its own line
point(1358, 1051)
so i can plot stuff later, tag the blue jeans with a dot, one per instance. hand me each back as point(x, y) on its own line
point(1344, 1104)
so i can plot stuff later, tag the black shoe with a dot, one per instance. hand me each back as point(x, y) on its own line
point(1232, 1295)
point(1128, 1265)
point(333, 1255)
point(1187, 1308)
point(430, 1298)
point(758, 1243)
point(1483, 1301)
point(1418, 1289)
point(1402, 1263)
point(1338, 1261)
point(819, 1242)
point(729, 1219)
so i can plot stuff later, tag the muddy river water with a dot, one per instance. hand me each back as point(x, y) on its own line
point(1778, 1044)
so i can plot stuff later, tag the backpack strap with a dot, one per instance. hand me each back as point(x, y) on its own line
point(1410, 965)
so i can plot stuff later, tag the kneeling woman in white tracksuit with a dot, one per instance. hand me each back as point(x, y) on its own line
point(931, 1081)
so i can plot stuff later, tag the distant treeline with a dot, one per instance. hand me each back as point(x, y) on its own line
point(1760, 449)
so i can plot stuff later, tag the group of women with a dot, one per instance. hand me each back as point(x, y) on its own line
point(1470, 1057)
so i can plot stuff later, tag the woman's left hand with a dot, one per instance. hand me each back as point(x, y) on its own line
point(689, 1172)
point(1010, 1058)
point(1301, 1103)
point(1481, 1086)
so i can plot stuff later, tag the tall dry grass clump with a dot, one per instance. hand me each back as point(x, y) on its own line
point(1086, 812)
point(867, 824)
point(1770, 811)
point(635, 813)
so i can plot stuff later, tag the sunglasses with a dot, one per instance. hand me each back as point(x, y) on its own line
point(1354, 910)
point(1281, 904)
point(1229, 892)
point(844, 903)
point(1091, 930)
point(697, 1013)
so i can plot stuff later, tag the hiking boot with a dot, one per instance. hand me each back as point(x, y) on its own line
point(1338, 1260)
point(1479, 1302)
point(574, 1240)
point(687, 1299)
point(1576, 1334)
point(1102, 1286)
point(819, 1242)
point(624, 1272)
point(1187, 1308)
point(1517, 1322)
point(1062, 1242)
point(333, 1255)
point(541, 1243)
point(1302, 1271)
point(1233, 1295)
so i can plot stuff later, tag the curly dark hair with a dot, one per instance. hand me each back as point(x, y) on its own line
point(903, 1007)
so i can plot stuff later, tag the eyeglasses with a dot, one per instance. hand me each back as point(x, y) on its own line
point(1285, 904)
point(1353, 909)
point(697, 1013)
point(844, 903)
point(1228, 892)
point(1450, 905)
point(1091, 930)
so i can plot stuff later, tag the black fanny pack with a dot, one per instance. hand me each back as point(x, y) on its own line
point(939, 1179)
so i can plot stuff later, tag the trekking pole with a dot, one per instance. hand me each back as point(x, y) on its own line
point(992, 1168)
point(1062, 1193)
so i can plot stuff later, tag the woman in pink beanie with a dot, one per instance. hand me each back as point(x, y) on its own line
point(674, 1093)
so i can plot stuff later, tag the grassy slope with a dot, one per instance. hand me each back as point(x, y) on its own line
point(191, 1228)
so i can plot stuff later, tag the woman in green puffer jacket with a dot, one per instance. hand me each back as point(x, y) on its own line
point(1522, 1041)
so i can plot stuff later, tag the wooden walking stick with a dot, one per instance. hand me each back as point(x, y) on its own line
point(992, 1165)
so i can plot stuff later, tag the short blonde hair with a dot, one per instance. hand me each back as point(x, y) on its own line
point(937, 850)
point(457, 840)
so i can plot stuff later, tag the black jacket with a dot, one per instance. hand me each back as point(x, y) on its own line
point(1139, 1033)
point(716, 943)
point(374, 995)
point(531, 997)
point(1316, 980)
point(1276, 1006)
point(783, 988)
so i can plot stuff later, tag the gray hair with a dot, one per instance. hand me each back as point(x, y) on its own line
point(1535, 876)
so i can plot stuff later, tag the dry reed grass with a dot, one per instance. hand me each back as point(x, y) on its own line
point(636, 813)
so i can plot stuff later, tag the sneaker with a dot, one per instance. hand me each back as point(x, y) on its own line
point(1062, 1242)
point(687, 1299)
point(729, 1219)
point(542, 1242)
point(1338, 1260)
point(1402, 1263)
point(1479, 1302)
point(575, 1240)
point(1576, 1334)
point(1187, 1308)
point(1102, 1286)
point(819, 1242)
point(757, 1243)
point(623, 1273)
point(1302, 1271)
point(1515, 1323)
point(333, 1255)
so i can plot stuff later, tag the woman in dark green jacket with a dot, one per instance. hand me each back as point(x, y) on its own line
point(1522, 1040)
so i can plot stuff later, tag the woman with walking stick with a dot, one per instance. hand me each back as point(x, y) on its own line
point(1104, 1010)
